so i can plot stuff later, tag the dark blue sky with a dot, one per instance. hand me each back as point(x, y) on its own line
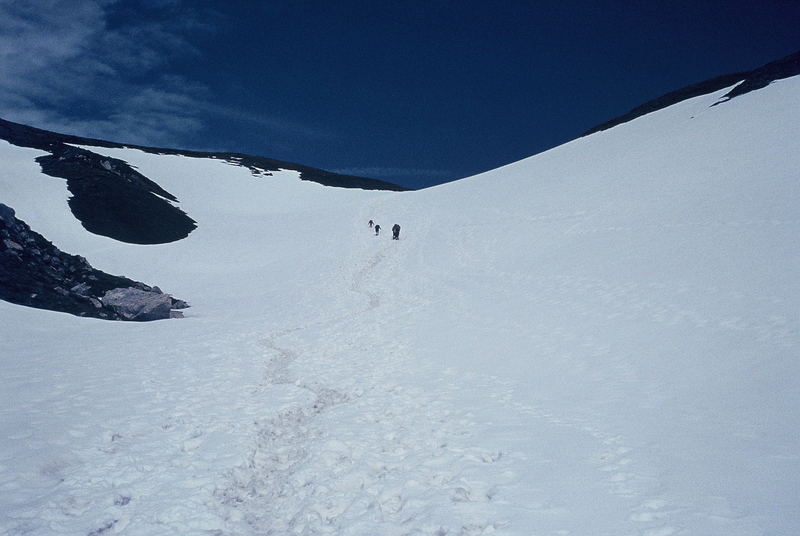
point(415, 92)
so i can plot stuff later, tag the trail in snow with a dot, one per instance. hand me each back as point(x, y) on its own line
point(374, 450)
point(397, 464)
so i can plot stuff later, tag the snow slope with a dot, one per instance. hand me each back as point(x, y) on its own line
point(598, 340)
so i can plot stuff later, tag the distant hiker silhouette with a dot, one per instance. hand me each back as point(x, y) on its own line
point(395, 232)
point(371, 223)
point(377, 229)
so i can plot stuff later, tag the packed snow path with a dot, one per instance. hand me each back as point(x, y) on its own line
point(384, 446)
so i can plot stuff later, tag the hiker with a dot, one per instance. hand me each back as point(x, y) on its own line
point(395, 232)
point(371, 223)
point(377, 229)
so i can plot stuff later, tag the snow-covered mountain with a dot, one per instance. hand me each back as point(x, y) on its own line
point(601, 339)
point(112, 199)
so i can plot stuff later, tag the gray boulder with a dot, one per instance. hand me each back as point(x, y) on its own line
point(81, 289)
point(134, 304)
point(10, 244)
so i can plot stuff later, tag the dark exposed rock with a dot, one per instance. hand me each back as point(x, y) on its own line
point(761, 77)
point(112, 199)
point(750, 81)
point(35, 273)
point(7, 213)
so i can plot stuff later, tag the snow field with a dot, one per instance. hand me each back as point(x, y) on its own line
point(598, 340)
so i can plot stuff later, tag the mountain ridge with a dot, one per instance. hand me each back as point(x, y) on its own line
point(37, 138)
point(751, 80)
point(113, 199)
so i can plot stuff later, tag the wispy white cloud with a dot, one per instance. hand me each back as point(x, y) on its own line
point(100, 68)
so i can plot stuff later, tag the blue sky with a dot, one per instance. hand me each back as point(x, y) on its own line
point(414, 92)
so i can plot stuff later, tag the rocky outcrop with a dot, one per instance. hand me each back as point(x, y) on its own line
point(109, 197)
point(136, 304)
point(112, 199)
point(35, 273)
